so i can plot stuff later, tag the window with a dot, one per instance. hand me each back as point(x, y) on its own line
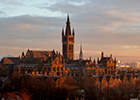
point(54, 69)
point(71, 39)
point(49, 69)
point(71, 48)
point(61, 68)
point(71, 56)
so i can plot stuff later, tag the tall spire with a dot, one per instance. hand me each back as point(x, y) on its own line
point(68, 20)
point(81, 53)
point(81, 48)
point(68, 29)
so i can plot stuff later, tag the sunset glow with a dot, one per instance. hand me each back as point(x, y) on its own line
point(108, 26)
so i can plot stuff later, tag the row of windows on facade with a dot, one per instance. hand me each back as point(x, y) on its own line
point(45, 69)
point(111, 67)
point(37, 72)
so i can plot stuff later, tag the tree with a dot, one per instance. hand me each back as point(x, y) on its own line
point(69, 83)
point(25, 95)
point(13, 83)
point(35, 86)
point(91, 90)
point(50, 88)
point(137, 87)
point(112, 94)
point(10, 95)
point(125, 90)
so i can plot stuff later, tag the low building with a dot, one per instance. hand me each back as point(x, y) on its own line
point(6, 63)
point(41, 62)
point(108, 63)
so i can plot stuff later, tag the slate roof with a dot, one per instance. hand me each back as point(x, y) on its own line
point(10, 60)
point(105, 59)
point(40, 54)
point(30, 60)
point(76, 63)
point(100, 65)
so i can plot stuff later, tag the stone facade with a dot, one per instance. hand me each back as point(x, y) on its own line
point(41, 62)
point(7, 65)
point(108, 63)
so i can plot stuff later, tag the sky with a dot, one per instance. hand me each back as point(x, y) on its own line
point(111, 26)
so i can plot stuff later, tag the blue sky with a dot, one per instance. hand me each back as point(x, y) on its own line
point(111, 26)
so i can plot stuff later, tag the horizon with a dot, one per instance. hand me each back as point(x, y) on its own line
point(111, 27)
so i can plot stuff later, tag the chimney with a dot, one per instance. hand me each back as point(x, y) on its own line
point(110, 55)
point(26, 72)
point(45, 73)
point(37, 73)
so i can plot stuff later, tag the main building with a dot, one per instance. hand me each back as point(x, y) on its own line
point(53, 63)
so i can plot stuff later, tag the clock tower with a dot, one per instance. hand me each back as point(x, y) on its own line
point(68, 41)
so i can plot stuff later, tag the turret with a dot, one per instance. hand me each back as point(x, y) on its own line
point(102, 55)
point(81, 53)
point(62, 32)
point(22, 56)
point(94, 63)
point(98, 60)
point(115, 60)
point(73, 33)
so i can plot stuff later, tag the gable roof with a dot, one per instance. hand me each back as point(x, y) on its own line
point(36, 57)
point(40, 54)
point(83, 62)
point(105, 59)
point(10, 60)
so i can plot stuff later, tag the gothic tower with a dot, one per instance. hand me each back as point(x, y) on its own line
point(68, 41)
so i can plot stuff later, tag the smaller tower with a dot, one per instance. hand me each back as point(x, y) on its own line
point(97, 60)
point(62, 32)
point(102, 55)
point(22, 56)
point(94, 63)
point(73, 33)
point(81, 53)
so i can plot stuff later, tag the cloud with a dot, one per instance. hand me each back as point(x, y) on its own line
point(2, 14)
point(11, 2)
point(129, 47)
point(30, 27)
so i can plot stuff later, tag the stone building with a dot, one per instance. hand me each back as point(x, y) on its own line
point(7, 65)
point(108, 63)
point(41, 62)
point(80, 67)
